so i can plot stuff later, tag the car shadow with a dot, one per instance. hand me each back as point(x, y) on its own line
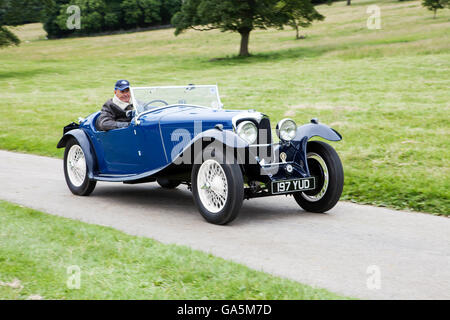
point(145, 194)
point(253, 211)
point(257, 211)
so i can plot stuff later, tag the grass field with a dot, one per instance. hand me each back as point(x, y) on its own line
point(386, 91)
point(36, 250)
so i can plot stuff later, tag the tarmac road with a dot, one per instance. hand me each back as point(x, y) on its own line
point(358, 251)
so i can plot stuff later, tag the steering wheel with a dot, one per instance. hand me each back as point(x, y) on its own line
point(146, 106)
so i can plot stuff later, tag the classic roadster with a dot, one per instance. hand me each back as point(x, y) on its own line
point(182, 135)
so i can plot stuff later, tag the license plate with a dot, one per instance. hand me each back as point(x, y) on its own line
point(293, 185)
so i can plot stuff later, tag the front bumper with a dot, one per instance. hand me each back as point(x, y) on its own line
point(287, 162)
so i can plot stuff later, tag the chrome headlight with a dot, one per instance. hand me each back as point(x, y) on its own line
point(247, 130)
point(286, 129)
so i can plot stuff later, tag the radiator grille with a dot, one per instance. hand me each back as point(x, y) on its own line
point(265, 130)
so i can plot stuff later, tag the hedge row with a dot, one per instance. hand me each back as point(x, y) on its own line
point(106, 15)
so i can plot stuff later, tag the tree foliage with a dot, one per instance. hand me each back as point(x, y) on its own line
point(108, 15)
point(139, 13)
point(17, 12)
point(8, 14)
point(233, 15)
point(301, 13)
point(7, 37)
point(435, 5)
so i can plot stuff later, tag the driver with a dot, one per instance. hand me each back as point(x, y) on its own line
point(114, 112)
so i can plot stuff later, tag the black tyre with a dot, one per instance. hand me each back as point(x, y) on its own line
point(75, 170)
point(168, 184)
point(218, 189)
point(324, 164)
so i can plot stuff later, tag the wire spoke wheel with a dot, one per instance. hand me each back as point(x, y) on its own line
point(212, 186)
point(217, 188)
point(326, 167)
point(318, 169)
point(76, 165)
point(76, 169)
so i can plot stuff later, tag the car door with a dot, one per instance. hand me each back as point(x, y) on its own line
point(121, 150)
point(151, 146)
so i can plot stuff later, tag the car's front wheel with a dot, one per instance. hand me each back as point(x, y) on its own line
point(75, 170)
point(324, 164)
point(218, 190)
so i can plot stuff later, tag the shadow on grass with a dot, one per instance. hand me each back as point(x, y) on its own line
point(25, 74)
point(286, 54)
point(345, 51)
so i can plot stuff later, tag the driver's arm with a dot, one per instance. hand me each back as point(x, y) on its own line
point(106, 121)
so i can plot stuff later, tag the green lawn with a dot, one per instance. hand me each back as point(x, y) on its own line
point(36, 250)
point(386, 91)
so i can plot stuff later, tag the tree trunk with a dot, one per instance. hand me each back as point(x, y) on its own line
point(434, 17)
point(245, 35)
point(349, 2)
point(297, 36)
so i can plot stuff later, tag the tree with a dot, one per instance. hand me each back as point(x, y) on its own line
point(434, 5)
point(107, 15)
point(92, 15)
point(168, 10)
point(229, 15)
point(301, 14)
point(7, 37)
point(139, 13)
point(7, 17)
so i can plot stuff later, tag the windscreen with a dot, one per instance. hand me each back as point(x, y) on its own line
point(154, 97)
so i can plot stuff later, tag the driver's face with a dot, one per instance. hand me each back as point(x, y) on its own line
point(123, 95)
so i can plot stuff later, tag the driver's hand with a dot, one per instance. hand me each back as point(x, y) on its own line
point(129, 114)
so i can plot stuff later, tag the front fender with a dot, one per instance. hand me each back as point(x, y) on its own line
point(297, 148)
point(317, 129)
point(226, 138)
point(85, 144)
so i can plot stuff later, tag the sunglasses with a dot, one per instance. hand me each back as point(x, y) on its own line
point(125, 90)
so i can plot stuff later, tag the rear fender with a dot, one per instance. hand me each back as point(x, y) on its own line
point(85, 144)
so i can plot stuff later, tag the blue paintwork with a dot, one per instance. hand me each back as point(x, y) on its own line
point(317, 129)
point(296, 150)
point(85, 144)
point(142, 150)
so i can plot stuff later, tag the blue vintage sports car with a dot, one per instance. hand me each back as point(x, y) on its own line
point(182, 135)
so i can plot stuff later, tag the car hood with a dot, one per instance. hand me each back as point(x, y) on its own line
point(208, 118)
point(182, 124)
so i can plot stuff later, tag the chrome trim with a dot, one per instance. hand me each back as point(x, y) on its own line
point(162, 140)
point(240, 125)
point(280, 123)
point(264, 144)
point(276, 163)
point(255, 115)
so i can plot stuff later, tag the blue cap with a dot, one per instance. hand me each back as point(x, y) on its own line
point(122, 85)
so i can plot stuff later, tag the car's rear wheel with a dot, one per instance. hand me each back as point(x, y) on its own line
point(167, 183)
point(218, 189)
point(324, 164)
point(75, 170)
